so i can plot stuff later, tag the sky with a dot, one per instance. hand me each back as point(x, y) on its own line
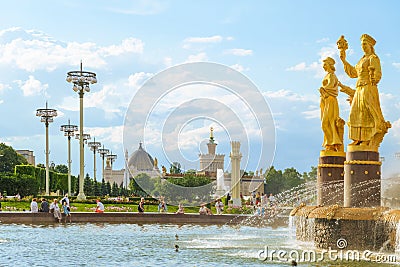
point(277, 45)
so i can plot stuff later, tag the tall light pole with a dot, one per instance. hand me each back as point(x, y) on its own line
point(111, 157)
point(46, 115)
point(81, 80)
point(69, 131)
point(85, 137)
point(94, 146)
point(103, 152)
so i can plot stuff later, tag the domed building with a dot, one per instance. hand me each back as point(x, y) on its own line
point(142, 162)
point(139, 162)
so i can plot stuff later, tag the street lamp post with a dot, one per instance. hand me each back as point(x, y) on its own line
point(103, 152)
point(83, 141)
point(111, 157)
point(46, 115)
point(84, 138)
point(81, 80)
point(94, 146)
point(69, 131)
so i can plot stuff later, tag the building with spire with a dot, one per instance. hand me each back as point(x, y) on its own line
point(210, 162)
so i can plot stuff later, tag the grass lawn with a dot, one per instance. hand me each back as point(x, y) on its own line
point(86, 207)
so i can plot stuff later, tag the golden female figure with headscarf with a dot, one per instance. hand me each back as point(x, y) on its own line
point(366, 123)
point(332, 124)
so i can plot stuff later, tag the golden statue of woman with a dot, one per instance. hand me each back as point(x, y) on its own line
point(366, 123)
point(332, 124)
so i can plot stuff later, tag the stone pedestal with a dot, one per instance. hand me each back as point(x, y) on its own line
point(330, 178)
point(362, 178)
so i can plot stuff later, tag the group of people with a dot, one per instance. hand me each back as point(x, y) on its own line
point(219, 208)
point(263, 199)
point(65, 209)
point(53, 208)
point(162, 206)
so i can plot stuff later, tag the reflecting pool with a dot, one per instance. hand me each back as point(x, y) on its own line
point(146, 245)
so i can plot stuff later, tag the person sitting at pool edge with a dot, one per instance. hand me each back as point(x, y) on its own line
point(141, 205)
point(99, 207)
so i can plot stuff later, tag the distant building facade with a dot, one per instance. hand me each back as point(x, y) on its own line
point(210, 162)
point(28, 154)
point(139, 162)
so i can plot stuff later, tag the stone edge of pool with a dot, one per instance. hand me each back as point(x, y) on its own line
point(122, 217)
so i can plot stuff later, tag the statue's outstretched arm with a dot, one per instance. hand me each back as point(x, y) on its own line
point(346, 89)
point(349, 69)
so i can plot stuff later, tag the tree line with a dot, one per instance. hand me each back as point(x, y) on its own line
point(18, 177)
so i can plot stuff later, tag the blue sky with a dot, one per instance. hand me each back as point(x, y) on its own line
point(278, 45)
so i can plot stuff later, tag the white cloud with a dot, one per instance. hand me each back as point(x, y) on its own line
point(112, 98)
point(211, 39)
point(323, 40)
point(201, 42)
point(239, 52)
point(396, 128)
point(130, 45)
point(291, 96)
point(167, 61)
point(138, 7)
point(324, 52)
point(396, 65)
point(312, 114)
point(299, 67)
point(32, 50)
point(3, 87)
point(239, 67)
point(112, 134)
point(196, 58)
point(328, 51)
point(32, 86)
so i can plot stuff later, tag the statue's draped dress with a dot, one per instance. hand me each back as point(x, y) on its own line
point(330, 110)
point(366, 117)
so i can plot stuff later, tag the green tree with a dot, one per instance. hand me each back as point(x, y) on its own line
point(97, 188)
point(76, 187)
point(273, 181)
point(175, 168)
point(108, 188)
point(25, 185)
point(114, 190)
point(88, 186)
point(311, 175)
point(292, 178)
point(103, 188)
point(9, 158)
point(142, 184)
point(191, 171)
point(171, 188)
point(61, 168)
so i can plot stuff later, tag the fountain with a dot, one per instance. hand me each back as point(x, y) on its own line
point(348, 214)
